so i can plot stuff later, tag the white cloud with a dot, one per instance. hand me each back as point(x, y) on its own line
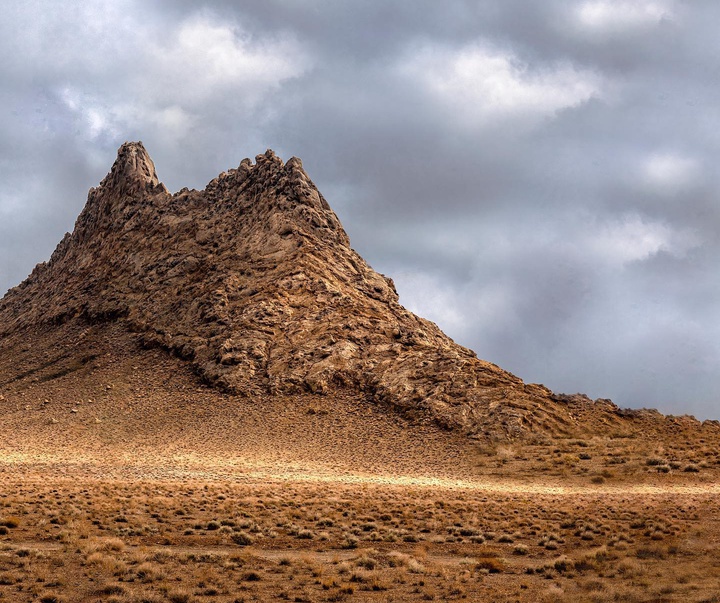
point(174, 119)
point(92, 118)
point(482, 84)
point(622, 14)
point(631, 238)
point(205, 58)
point(183, 77)
point(669, 172)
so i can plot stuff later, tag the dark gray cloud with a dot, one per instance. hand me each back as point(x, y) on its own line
point(537, 177)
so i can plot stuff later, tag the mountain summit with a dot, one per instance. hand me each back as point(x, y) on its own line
point(253, 281)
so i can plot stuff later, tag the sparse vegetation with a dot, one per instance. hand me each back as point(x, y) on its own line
point(619, 545)
point(425, 515)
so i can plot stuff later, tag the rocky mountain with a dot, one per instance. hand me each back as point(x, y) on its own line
point(253, 282)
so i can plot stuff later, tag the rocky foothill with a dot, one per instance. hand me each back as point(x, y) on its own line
point(253, 281)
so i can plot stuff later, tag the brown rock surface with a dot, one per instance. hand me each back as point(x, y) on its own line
point(254, 284)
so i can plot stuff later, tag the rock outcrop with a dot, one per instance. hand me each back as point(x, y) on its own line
point(254, 282)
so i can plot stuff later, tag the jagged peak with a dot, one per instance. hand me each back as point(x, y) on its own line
point(270, 174)
point(265, 162)
point(269, 155)
point(133, 168)
point(253, 280)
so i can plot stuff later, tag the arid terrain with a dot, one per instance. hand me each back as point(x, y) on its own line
point(210, 397)
point(132, 519)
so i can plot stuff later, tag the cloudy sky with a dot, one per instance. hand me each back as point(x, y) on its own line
point(539, 178)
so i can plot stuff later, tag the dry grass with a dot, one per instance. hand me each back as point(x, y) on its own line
point(154, 541)
point(160, 489)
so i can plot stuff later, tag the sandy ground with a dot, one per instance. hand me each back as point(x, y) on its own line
point(125, 479)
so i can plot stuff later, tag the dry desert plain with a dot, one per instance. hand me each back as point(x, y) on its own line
point(125, 480)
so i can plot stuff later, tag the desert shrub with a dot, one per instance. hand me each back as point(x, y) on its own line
point(617, 460)
point(650, 553)
point(252, 576)
point(112, 544)
point(242, 538)
point(359, 577)
point(630, 568)
point(367, 562)
point(491, 565)
point(111, 589)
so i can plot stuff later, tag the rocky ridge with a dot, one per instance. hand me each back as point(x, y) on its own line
point(253, 281)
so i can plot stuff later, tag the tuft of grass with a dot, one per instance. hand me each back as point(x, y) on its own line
point(10, 522)
point(350, 542)
point(242, 538)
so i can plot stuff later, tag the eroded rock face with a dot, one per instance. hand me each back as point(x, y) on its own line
point(254, 282)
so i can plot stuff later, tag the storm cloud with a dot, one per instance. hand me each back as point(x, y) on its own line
point(538, 177)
